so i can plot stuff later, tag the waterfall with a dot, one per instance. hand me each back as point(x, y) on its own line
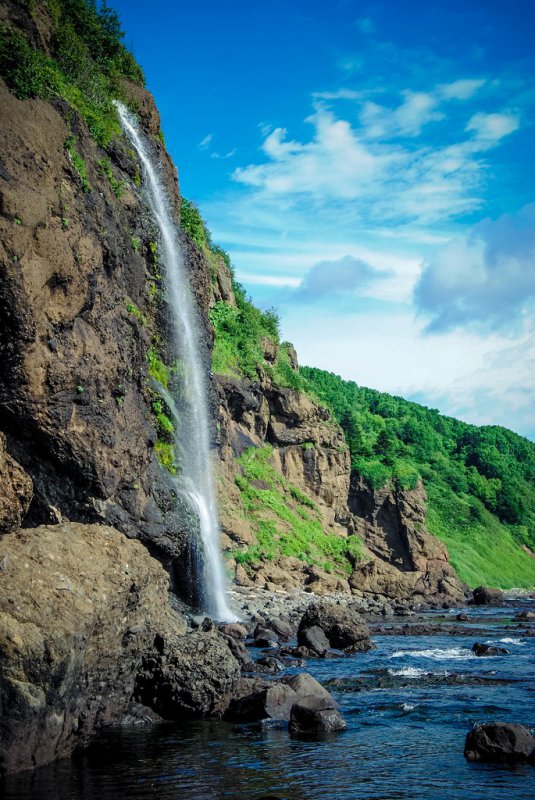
point(195, 482)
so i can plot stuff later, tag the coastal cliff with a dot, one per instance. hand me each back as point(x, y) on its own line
point(97, 551)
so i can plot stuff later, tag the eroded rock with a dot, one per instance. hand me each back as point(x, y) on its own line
point(501, 742)
point(80, 608)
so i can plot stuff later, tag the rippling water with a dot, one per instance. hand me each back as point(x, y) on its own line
point(409, 704)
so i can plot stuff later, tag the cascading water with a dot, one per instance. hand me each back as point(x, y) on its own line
point(195, 483)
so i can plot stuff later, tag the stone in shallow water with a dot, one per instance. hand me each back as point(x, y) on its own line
point(315, 714)
point(484, 596)
point(480, 649)
point(500, 741)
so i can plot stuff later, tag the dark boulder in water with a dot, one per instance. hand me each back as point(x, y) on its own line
point(343, 627)
point(313, 715)
point(314, 639)
point(480, 649)
point(500, 742)
point(484, 596)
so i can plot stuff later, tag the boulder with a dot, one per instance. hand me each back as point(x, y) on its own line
point(500, 741)
point(484, 596)
point(315, 715)
point(525, 616)
point(80, 609)
point(190, 676)
point(480, 649)
point(343, 627)
point(304, 685)
point(314, 639)
point(255, 700)
point(234, 629)
point(263, 637)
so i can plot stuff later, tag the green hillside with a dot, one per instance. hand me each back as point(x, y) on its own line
point(480, 480)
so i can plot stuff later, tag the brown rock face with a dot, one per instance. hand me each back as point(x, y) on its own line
point(76, 272)
point(80, 607)
point(410, 562)
point(403, 561)
point(16, 491)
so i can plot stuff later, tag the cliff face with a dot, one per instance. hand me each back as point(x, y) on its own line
point(78, 302)
point(399, 560)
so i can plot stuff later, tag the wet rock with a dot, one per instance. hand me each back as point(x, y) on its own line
point(137, 714)
point(256, 702)
point(268, 665)
point(343, 627)
point(480, 649)
point(304, 685)
point(484, 596)
point(238, 650)
point(525, 616)
point(281, 627)
point(263, 637)
point(500, 742)
point(314, 639)
point(190, 676)
point(462, 617)
point(315, 715)
point(81, 607)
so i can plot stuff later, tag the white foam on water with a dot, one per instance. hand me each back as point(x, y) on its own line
point(437, 654)
point(506, 640)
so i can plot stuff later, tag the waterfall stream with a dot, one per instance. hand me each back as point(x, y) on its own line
point(195, 482)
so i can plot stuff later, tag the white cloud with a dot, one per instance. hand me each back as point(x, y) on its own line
point(258, 279)
point(334, 164)
point(204, 144)
point(462, 89)
point(490, 128)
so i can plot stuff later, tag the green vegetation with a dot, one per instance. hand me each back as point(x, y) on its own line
point(479, 480)
point(104, 170)
point(165, 453)
point(86, 66)
point(157, 369)
point(134, 310)
point(78, 162)
point(286, 520)
point(135, 243)
point(239, 332)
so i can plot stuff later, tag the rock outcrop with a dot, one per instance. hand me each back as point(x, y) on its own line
point(402, 560)
point(80, 606)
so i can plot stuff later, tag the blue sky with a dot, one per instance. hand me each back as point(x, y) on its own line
point(370, 169)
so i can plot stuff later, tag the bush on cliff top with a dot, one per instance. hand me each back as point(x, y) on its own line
point(87, 64)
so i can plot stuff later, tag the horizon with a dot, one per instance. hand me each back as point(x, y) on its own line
point(372, 181)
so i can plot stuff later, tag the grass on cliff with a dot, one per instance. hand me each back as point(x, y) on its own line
point(287, 522)
point(87, 63)
point(482, 550)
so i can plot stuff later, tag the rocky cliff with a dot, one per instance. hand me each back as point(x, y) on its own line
point(398, 557)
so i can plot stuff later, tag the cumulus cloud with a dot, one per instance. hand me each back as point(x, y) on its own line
point(485, 279)
point(340, 277)
point(490, 128)
point(335, 163)
point(462, 89)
